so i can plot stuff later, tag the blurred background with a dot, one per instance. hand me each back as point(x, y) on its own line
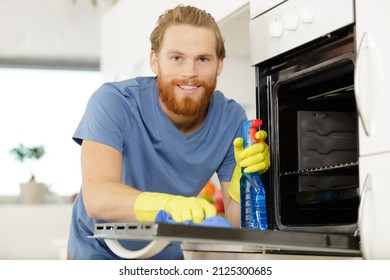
point(53, 55)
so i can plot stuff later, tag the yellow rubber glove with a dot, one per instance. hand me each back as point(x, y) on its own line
point(180, 208)
point(255, 158)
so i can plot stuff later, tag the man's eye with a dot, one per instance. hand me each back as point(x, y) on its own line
point(176, 58)
point(203, 59)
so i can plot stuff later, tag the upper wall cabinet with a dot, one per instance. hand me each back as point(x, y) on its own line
point(61, 33)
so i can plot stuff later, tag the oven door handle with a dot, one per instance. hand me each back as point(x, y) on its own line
point(150, 250)
point(363, 108)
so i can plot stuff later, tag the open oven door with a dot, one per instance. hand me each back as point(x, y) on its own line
point(249, 240)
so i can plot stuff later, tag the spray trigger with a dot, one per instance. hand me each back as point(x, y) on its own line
point(256, 123)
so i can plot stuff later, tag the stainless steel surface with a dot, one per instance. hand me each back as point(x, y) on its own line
point(198, 251)
point(260, 241)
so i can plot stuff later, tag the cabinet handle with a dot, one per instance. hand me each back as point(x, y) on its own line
point(363, 197)
point(360, 103)
point(366, 187)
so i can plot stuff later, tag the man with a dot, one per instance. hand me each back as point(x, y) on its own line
point(152, 143)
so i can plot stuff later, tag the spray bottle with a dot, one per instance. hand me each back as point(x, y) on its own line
point(252, 193)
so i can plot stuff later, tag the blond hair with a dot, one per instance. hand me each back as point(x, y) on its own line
point(186, 15)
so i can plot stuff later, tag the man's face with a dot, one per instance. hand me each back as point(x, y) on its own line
point(187, 68)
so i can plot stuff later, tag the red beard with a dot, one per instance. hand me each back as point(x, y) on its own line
point(187, 106)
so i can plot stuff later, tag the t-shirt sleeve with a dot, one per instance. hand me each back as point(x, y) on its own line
point(104, 118)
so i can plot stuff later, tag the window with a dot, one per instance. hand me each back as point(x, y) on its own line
point(43, 107)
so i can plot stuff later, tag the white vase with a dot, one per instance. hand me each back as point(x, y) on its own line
point(32, 192)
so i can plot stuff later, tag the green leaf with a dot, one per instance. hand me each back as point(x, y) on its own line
point(22, 152)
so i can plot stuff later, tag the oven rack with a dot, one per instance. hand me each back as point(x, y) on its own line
point(343, 169)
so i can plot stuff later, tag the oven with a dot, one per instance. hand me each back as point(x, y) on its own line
point(305, 97)
point(321, 92)
point(320, 88)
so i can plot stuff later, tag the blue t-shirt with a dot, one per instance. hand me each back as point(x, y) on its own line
point(156, 156)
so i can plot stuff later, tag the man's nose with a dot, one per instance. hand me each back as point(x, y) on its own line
point(189, 69)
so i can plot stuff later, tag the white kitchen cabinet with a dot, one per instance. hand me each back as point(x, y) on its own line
point(372, 75)
point(237, 80)
point(42, 33)
point(374, 222)
point(372, 96)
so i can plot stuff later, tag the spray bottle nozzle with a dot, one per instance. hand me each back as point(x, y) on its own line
point(256, 123)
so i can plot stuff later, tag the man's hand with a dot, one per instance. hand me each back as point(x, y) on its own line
point(255, 158)
point(180, 208)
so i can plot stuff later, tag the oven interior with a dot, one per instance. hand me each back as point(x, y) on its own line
point(311, 115)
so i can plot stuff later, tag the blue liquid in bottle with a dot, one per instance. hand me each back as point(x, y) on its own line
point(252, 192)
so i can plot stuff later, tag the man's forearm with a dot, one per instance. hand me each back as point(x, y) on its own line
point(110, 201)
point(232, 207)
point(233, 213)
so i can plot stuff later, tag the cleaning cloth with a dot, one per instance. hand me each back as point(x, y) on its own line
point(216, 221)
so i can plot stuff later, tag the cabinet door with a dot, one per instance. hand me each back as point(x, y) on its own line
point(372, 75)
point(374, 222)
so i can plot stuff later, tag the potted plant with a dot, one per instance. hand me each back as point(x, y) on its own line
point(31, 191)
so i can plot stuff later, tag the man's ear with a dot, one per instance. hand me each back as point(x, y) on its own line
point(154, 62)
point(220, 66)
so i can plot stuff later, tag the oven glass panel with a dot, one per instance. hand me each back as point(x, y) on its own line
point(317, 132)
point(307, 104)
